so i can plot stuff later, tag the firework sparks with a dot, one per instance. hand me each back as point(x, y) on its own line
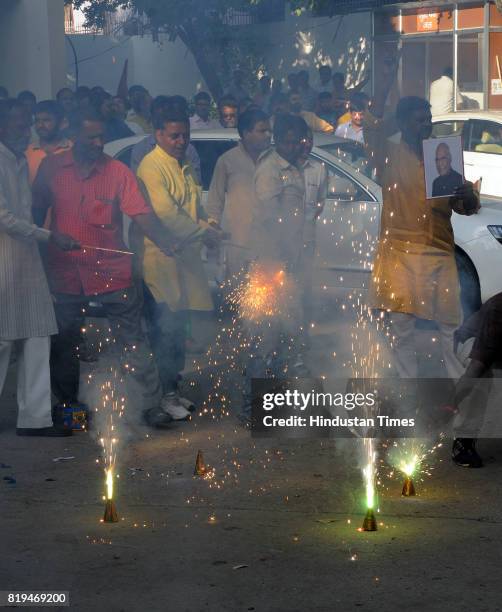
point(112, 408)
point(408, 467)
point(263, 294)
point(109, 484)
point(369, 472)
point(366, 363)
point(110, 515)
point(413, 459)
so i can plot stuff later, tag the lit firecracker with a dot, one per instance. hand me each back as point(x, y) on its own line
point(408, 487)
point(370, 523)
point(112, 406)
point(408, 468)
point(411, 458)
point(263, 294)
point(110, 515)
point(367, 363)
point(200, 466)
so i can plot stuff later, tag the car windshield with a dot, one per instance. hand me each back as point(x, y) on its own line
point(351, 153)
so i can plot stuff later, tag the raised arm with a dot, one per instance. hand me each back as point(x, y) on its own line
point(384, 84)
point(374, 128)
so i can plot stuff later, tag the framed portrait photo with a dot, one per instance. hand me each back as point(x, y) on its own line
point(443, 165)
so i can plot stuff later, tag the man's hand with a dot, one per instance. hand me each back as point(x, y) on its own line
point(214, 224)
point(212, 237)
point(213, 234)
point(64, 242)
point(466, 199)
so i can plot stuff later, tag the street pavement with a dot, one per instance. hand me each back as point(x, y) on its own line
point(273, 526)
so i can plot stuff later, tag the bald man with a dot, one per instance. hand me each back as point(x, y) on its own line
point(448, 179)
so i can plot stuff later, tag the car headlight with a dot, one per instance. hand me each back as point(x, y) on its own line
point(496, 232)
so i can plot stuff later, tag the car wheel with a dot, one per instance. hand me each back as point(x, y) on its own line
point(470, 293)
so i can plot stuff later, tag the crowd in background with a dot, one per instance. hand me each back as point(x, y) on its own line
point(60, 192)
point(77, 199)
point(327, 107)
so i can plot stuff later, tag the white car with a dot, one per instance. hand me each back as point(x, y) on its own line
point(348, 229)
point(481, 133)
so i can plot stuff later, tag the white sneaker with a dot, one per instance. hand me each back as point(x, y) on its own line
point(299, 361)
point(171, 405)
point(186, 403)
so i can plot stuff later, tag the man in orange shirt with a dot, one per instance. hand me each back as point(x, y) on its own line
point(49, 121)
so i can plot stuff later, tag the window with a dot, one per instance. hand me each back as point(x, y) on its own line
point(449, 128)
point(470, 70)
point(352, 153)
point(486, 137)
point(209, 151)
point(342, 188)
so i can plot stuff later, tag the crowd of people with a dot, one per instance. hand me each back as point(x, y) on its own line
point(327, 108)
point(62, 202)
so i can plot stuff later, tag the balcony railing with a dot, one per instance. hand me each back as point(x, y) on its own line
point(267, 12)
point(123, 19)
point(74, 22)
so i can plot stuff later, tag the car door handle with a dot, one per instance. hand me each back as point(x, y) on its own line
point(468, 164)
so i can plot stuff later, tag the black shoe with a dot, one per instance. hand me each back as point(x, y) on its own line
point(46, 432)
point(464, 453)
point(245, 419)
point(156, 417)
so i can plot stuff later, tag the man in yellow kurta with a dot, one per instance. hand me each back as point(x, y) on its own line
point(414, 274)
point(177, 284)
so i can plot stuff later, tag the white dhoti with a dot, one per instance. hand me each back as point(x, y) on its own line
point(405, 346)
point(33, 380)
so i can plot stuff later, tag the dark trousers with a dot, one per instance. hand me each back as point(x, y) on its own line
point(123, 309)
point(167, 334)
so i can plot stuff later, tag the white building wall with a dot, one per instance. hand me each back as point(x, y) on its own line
point(165, 68)
point(169, 68)
point(32, 46)
point(162, 67)
point(100, 60)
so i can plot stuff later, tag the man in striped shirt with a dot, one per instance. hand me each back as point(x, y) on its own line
point(27, 315)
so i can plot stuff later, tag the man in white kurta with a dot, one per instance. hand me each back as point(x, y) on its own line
point(232, 198)
point(26, 313)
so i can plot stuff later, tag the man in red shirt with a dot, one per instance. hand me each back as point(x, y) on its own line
point(88, 192)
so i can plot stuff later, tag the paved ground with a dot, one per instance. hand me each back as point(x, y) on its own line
point(275, 529)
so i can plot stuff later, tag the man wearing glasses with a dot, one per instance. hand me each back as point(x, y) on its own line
point(448, 179)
